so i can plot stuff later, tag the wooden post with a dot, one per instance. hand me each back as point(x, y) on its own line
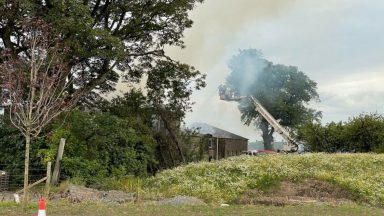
point(32, 185)
point(56, 171)
point(217, 148)
point(48, 182)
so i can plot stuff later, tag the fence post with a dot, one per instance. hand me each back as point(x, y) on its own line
point(48, 182)
point(55, 176)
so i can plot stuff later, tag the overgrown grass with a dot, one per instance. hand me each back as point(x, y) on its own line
point(98, 209)
point(224, 181)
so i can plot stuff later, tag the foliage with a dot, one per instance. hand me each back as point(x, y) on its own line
point(282, 90)
point(105, 41)
point(134, 106)
point(103, 35)
point(171, 85)
point(363, 133)
point(100, 145)
point(366, 132)
point(194, 148)
point(226, 180)
point(12, 145)
point(34, 84)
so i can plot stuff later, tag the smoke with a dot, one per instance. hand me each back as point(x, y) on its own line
point(210, 46)
point(245, 69)
point(217, 24)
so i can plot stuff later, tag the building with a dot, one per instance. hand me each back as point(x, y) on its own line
point(219, 143)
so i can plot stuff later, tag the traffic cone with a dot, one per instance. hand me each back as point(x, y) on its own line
point(41, 207)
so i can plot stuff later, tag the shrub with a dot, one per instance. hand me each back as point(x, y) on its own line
point(363, 133)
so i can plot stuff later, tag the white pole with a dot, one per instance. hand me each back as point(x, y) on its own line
point(217, 148)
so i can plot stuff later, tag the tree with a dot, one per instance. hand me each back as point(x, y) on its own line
point(170, 86)
point(12, 145)
point(319, 138)
point(103, 35)
point(363, 133)
point(34, 84)
point(117, 146)
point(366, 133)
point(282, 90)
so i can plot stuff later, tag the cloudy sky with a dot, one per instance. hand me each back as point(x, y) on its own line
point(337, 43)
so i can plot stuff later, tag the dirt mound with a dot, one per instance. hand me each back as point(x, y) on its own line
point(83, 194)
point(288, 193)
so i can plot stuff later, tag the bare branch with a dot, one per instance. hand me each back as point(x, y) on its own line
point(36, 83)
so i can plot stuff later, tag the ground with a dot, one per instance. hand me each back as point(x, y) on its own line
point(68, 209)
point(290, 193)
point(311, 184)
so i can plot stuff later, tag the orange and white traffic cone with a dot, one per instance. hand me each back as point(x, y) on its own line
point(41, 207)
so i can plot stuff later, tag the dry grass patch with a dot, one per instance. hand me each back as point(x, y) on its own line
point(293, 193)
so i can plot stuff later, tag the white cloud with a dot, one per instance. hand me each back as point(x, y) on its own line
point(351, 96)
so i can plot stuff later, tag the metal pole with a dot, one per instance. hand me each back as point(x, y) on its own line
point(217, 148)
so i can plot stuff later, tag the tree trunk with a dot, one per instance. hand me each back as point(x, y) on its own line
point(267, 135)
point(26, 167)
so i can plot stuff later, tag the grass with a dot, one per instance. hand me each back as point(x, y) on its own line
point(224, 181)
point(67, 209)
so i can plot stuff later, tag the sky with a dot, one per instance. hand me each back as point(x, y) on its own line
point(337, 43)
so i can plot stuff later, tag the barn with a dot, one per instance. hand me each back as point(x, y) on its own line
point(220, 143)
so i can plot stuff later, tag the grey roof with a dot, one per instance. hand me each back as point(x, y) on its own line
point(204, 128)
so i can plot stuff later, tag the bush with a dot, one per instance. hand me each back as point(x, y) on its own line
point(12, 153)
point(84, 172)
point(363, 133)
point(101, 145)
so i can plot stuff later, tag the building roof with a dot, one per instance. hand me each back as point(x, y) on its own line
point(203, 128)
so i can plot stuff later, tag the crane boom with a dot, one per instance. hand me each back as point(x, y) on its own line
point(273, 122)
point(228, 95)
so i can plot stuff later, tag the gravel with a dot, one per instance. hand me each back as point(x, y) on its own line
point(83, 194)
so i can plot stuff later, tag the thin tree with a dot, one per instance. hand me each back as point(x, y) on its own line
point(34, 84)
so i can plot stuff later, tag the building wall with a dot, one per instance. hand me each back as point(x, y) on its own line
point(227, 147)
point(234, 147)
point(213, 152)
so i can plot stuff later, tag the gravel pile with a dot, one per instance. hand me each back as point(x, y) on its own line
point(6, 197)
point(83, 194)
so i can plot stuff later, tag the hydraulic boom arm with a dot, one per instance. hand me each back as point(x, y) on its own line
point(228, 95)
point(273, 122)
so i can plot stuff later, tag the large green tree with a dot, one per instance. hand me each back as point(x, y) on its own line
point(102, 35)
point(283, 90)
point(169, 88)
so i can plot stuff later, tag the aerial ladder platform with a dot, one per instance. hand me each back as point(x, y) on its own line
point(227, 95)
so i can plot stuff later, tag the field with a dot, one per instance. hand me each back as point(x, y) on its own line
point(66, 209)
point(361, 176)
point(309, 184)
